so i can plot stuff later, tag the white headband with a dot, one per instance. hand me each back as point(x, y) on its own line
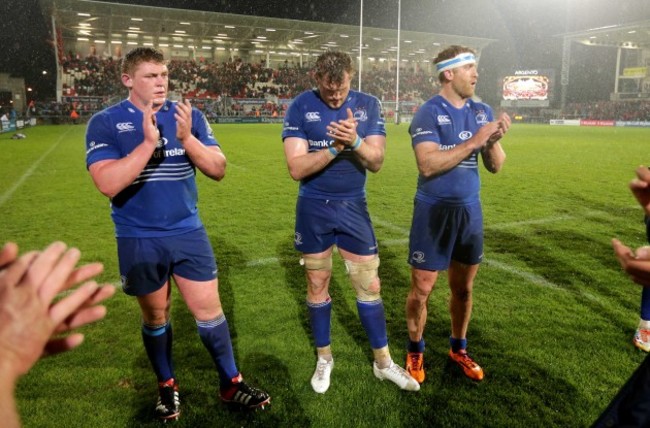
point(457, 61)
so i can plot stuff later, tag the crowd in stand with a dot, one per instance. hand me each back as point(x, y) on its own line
point(416, 85)
point(218, 88)
point(235, 78)
point(215, 82)
point(91, 76)
point(609, 110)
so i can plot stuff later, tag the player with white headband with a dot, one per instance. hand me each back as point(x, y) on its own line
point(455, 62)
point(448, 133)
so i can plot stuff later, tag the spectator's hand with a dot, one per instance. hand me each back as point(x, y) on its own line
point(640, 187)
point(635, 263)
point(28, 316)
point(183, 117)
point(8, 254)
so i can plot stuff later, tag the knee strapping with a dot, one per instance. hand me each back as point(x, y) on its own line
point(362, 275)
point(312, 263)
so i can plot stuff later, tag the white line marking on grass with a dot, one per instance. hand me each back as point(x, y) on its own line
point(391, 242)
point(546, 220)
point(389, 225)
point(508, 225)
point(6, 195)
point(529, 222)
point(263, 262)
point(234, 165)
point(591, 297)
point(531, 277)
point(535, 279)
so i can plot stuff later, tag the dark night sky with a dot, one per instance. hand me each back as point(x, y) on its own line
point(524, 28)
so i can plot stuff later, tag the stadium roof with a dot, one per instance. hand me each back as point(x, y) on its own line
point(103, 22)
point(631, 35)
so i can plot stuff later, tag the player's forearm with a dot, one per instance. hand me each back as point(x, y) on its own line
point(370, 153)
point(209, 160)
point(437, 162)
point(493, 157)
point(310, 163)
point(113, 176)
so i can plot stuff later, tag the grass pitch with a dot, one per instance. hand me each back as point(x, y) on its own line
point(553, 314)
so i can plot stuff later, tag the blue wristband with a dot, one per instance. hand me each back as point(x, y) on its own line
point(333, 150)
point(357, 143)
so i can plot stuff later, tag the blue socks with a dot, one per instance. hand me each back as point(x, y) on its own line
point(374, 322)
point(158, 344)
point(415, 346)
point(457, 344)
point(372, 318)
point(320, 315)
point(215, 335)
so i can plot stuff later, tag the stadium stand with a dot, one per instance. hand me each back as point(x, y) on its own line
point(240, 76)
point(223, 89)
point(239, 88)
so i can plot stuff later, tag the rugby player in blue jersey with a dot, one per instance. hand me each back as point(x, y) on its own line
point(630, 407)
point(332, 135)
point(641, 337)
point(143, 153)
point(448, 134)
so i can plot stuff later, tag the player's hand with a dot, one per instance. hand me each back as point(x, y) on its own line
point(183, 117)
point(483, 135)
point(640, 187)
point(503, 124)
point(344, 131)
point(149, 125)
point(635, 263)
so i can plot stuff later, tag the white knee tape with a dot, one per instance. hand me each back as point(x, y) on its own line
point(312, 263)
point(362, 275)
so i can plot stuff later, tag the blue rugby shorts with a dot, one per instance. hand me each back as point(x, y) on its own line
point(441, 233)
point(147, 263)
point(321, 223)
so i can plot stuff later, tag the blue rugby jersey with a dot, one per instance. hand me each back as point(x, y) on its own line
point(308, 118)
point(439, 122)
point(162, 201)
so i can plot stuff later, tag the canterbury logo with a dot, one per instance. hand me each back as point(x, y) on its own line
point(312, 116)
point(125, 127)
